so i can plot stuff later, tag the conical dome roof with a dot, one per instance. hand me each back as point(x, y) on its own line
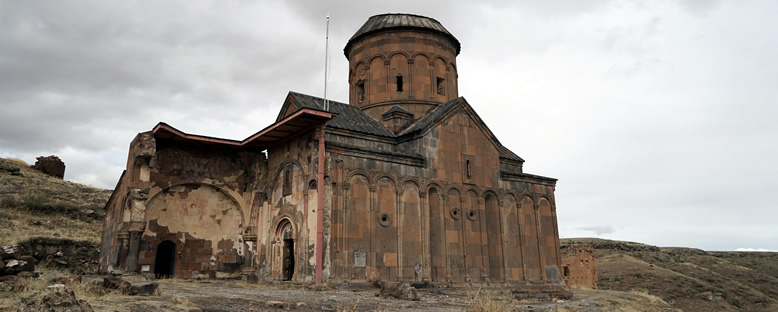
point(399, 21)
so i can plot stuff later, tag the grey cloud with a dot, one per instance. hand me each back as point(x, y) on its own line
point(597, 229)
point(657, 117)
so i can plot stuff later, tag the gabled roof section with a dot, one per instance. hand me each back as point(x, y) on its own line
point(397, 109)
point(443, 112)
point(290, 126)
point(348, 117)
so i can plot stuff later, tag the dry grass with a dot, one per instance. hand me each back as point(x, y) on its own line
point(481, 301)
point(32, 183)
point(17, 225)
point(25, 288)
point(17, 162)
point(632, 301)
point(651, 298)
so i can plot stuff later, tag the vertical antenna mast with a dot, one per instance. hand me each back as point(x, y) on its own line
point(326, 63)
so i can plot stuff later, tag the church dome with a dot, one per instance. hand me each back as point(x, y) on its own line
point(400, 21)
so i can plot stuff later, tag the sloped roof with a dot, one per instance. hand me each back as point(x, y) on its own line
point(288, 127)
point(508, 154)
point(352, 118)
point(438, 114)
point(400, 21)
point(433, 117)
point(349, 117)
point(396, 110)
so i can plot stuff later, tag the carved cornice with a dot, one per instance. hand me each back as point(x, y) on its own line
point(361, 152)
point(528, 178)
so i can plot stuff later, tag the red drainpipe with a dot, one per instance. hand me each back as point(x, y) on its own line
point(320, 208)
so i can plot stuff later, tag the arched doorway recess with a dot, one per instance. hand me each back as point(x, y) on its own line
point(165, 259)
point(285, 237)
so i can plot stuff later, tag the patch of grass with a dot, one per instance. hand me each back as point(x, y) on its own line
point(19, 226)
point(483, 302)
point(17, 162)
point(651, 298)
point(26, 288)
point(90, 291)
point(36, 201)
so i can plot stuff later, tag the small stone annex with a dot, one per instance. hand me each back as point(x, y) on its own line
point(403, 183)
point(579, 268)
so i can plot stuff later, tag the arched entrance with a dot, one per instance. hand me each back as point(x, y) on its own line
point(285, 240)
point(165, 259)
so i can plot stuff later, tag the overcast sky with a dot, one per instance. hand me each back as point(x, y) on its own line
point(657, 117)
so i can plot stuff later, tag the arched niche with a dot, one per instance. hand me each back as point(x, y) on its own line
point(530, 240)
point(209, 219)
point(437, 236)
point(494, 244)
point(200, 210)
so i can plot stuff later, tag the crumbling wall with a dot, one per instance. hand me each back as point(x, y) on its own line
point(119, 244)
point(578, 266)
point(204, 224)
point(50, 165)
point(182, 200)
point(288, 216)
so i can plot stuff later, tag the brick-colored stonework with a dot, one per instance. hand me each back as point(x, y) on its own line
point(416, 187)
point(578, 266)
point(50, 165)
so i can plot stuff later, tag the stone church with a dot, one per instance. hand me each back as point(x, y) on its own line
point(403, 182)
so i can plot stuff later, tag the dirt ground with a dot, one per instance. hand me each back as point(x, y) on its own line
point(216, 295)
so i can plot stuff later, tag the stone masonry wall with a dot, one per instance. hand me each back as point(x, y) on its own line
point(394, 221)
point(578, 266)
point(422, 60)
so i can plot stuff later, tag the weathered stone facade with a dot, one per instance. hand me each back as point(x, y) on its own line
point(415, 186)
point(578, 266)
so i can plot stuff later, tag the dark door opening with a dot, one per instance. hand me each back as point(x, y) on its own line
point(166, 256)
point(288, 253)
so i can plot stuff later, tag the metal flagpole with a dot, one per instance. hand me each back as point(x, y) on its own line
point(326, 64)
point(320, 179)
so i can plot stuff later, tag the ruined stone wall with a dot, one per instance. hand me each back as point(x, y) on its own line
point(126, 200)
point(203, 222)
point(288, 215)
point(578, 266)
point(198, 200)
point(190, 200)
point(110, 244)
point(50, 165)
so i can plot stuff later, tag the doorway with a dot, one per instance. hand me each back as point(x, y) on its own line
point(288, 254)
point(163, 264)
point(285, 257)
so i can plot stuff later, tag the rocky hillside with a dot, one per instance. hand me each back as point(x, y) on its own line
point(689, 279)
point(34, 204)
point(57, 223)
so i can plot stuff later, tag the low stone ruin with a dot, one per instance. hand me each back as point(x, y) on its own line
point(50, 165)
point(579, 268)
